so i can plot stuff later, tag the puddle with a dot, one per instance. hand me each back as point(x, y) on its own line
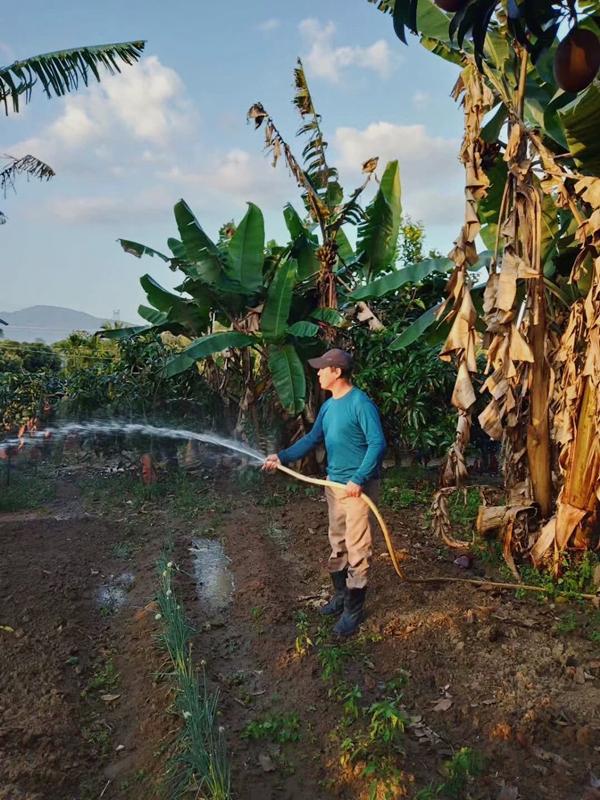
point(112, 595)
point(214, 580)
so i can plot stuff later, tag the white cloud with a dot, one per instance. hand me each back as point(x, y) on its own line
point(421, 100)
point(145, 106)
point(430, 172)
point(237, 176)
point(106, 209)
point(328, 62)
point(269, 25)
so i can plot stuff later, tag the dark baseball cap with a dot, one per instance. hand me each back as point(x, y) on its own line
point(332, 358)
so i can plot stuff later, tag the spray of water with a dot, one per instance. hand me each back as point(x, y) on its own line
point(131, 429)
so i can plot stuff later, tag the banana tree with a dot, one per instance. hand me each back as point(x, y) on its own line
point(58, 73)
point(328, 258)
point(532, 189)
point(238, 296)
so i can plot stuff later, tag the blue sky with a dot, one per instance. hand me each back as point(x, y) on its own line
point(174, 126)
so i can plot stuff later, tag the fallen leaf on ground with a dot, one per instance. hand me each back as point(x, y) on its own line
point(266, 762)
point(443, 705)
point(508, 793)
point(142, 613)
point(7, 629)
point(546, 755)
point(110, 698)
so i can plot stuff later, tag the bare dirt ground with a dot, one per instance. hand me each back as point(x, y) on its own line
point(86, 710)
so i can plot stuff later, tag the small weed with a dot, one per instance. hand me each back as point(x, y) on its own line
point(400, 497)
point(387, 722)
point(271, 501)
point(257, 612)
point(25, 491)
point(463, 507)
point(123, 550)
point(463, 767)
point(567, 624)
point(375, 748)
point(303, 641)
point(351, 700)
point(332, 658)
point(275, 533)
point(312, 491)
point(576, 577)
point(593, 627)
point(489, 551)
point(277, 728)
point(406, 488)
point(98, 737)
point(105, 678)
point(249, 479)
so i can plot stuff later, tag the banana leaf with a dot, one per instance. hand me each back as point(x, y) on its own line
point(414, 273)
point(199, 248)
point(581, 122)
point(123, 333)
point(206, 346)
point(152, 315)
point(378, 234)
point(345, 251)
point(416, 329)
point(62, 71)
point(138, 250)
point(275, 315)
point(246, 251)
point(288, 376)
point(193, 314)
point(304, 329)
point(331, 316)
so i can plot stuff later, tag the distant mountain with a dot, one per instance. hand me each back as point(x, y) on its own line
point(47, 323)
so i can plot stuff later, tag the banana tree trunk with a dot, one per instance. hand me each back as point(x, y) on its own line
point(580, 484)
point(538, 430)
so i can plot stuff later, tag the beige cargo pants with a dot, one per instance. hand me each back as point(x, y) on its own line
point(350, 535)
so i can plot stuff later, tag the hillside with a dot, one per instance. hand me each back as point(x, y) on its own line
point(48, 323)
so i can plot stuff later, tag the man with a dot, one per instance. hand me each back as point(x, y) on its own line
point(350, 426)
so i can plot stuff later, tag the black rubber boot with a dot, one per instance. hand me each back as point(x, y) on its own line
point(354, 601)
point(336, 603)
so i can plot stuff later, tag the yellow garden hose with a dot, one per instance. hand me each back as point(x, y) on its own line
point(365, 498)
point(394, 558)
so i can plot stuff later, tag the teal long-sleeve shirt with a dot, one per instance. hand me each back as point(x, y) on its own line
point(351, 429)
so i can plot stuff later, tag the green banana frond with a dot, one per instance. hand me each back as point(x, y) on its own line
point(62, 71)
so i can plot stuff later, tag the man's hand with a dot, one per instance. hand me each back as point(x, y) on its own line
point(271, 463)
point(353, 489)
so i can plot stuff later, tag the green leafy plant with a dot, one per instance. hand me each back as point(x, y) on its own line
point(461, 770)
point(303, 641)
point(568, 623)
point(278, 728)
point(332, 658)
